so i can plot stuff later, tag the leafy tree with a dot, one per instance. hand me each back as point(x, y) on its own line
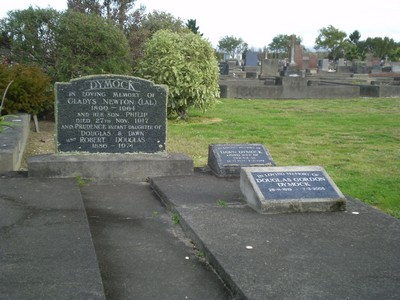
point(354, 47)
point(30, 36)
point(351, 52)
point(191, 24)
point(333, 40)
point(232, 45)
point(281, 44)
point(120, 12)
point(355, 37)
point(186, 63)
point(158, 20)
point(380, 47)
point(30, 91)
point(88, 44)
point(85, 6)
point(146, 26)
point(395, 54)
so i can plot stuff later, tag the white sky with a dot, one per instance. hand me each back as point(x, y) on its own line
point(258, 21)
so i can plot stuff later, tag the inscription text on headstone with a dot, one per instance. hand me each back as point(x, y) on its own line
point(111, 114)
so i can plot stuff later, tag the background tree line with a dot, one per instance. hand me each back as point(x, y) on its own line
point(339, 45)
point(115, 36)
point(107, 37)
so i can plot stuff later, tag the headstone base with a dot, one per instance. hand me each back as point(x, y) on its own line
point(106, 167)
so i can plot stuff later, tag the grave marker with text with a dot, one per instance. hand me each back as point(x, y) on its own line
point(227, 159)
point(290, 189)
point(111, 114)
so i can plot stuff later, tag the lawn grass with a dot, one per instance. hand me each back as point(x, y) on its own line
point(357, 141)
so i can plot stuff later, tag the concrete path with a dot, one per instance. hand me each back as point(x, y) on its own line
point(142, 253)
point(128, 247)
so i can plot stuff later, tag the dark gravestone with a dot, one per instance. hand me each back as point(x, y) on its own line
point(223, 68)
point(226, 159)
point(290, 189)
point(111, 114)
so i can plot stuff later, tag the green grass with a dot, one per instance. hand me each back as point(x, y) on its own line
point(356, 140)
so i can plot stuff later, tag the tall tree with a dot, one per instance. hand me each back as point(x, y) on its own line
point(191, 24)
point(119, 11)
point(232, 46)
point(333, 40)
point(85, 6)
point(354, 37)
point(30, 36)
point(380, 47)
point(281, 44)
point(88, 44)
point(354, 47)
point(157, 20)
point(145, 26)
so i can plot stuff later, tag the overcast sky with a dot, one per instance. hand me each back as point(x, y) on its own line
point(257, 21)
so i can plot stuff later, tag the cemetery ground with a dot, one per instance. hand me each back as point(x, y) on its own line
point(355, 140)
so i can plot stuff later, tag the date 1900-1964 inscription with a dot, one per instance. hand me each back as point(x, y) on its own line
point(113, 114)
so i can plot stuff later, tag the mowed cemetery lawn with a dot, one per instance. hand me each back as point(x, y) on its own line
point(357, 141)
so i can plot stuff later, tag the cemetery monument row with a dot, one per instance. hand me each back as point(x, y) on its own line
point(111, 114)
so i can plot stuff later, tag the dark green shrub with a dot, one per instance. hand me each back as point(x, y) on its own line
point(30, 91)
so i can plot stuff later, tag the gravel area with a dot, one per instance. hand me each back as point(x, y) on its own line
point(41, 142)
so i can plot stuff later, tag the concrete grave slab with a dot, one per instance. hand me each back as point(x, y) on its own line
point(46, 250)
point(323, 255)
point(290, 189)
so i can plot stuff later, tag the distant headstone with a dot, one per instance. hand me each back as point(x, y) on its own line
point(111, 114)
point(270, 67)
point(376, 69)
point(251, 59)
point(341, 62)
point(396, 67)
point(324, 65)
point(290, 189)
point(226, 159)
point(223, 68)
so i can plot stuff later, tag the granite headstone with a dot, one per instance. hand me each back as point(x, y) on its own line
point(290, 189)
point(251, 58)
point(111, 114)
point(223, 68)
point(225, 160)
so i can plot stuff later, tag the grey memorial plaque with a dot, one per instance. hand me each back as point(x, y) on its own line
point(111, 114)
point(290, 189)
point(227, 159)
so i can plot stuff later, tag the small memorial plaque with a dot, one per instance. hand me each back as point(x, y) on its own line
point(227, 159)
point(111, 114)
point(290, 189)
